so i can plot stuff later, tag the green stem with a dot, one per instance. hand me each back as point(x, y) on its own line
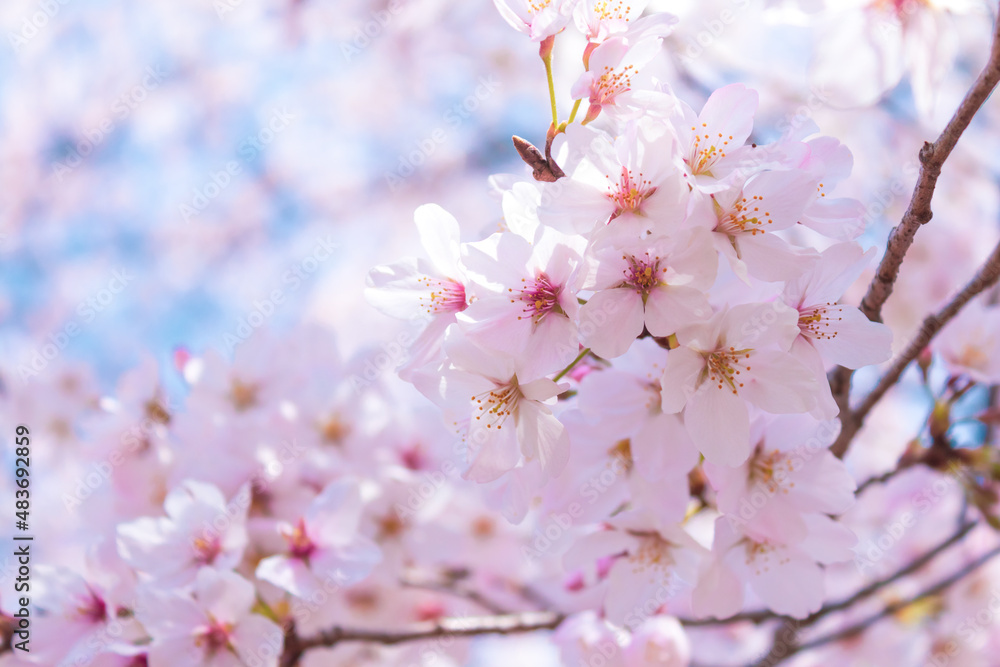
point(572, 114)
point(552, 87)
point(265, 610)
point(580, 356)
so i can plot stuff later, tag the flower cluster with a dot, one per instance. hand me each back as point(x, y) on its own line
point(673, 298)
point(618, 424)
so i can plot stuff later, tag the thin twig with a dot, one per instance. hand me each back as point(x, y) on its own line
point(501, 624)
point(866, 592)
point(912, 567)
point(941, 586)
point(884, 477)
point(986, 277)
point(456, 589)
point(932, 159)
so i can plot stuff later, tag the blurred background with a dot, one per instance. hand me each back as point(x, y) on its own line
point(179, 175)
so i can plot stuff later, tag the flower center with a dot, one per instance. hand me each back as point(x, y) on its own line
point(496, 405)
point(629, 193)
point(300, 545)
point(333, 430)
point(206, 549)
point(622, 454)
point(972, 356)
point(724, 367)
point(363, 601)
point(606, 11)
point(654, 552)
point(390, 526)
point(642, 275)
point(612, 83)
point(447, 296)
point(815, 322)
point(764, 469)
point(541, 297)
point(483, 528)
point(744, 218)
point(759, 554)
point(155, 411)
point(93, 608)
point(705, 151)
point(899, 7)
point(243, 395)
point(214, 637)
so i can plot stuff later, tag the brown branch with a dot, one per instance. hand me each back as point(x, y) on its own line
point(531, 621)
point(886, 476)
point(781, 650)
point(866, 592)
point(851, 422)
point(501, 624)
point(932, 159)
point(859, 627)
point(912, 567)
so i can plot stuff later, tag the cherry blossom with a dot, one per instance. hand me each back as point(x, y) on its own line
point(628, 412)
point(201, 529)
point(527, 304)
point(416, 289)
point(624, 186)
point(969, 344)
point(658, 286)
point(789, 475)
point(652, 560)
point(608, 82)
point(838, 333)
point(322, 543)
point(785, 575)
point(214, 626)
point(538, 19)
point(744, 221)
point(600, 20)
point(712, 142)
point(734, 360)
point(481, 394)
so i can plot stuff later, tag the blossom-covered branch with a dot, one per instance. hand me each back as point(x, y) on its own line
point(986, 277)
point(932, 158)
point(472, 626)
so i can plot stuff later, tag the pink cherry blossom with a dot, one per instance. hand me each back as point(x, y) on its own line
point(660, 642)
point(619, 188)
point(789, 475)
point(735, 359)
point(785, 576)
point(652, 560)
point(498, 405)
point(744, 220)
point(527, 304)
point(838, 333)
point(658, 285)
point(214, 626)
point(201, 529)
point(712, 142)
point(970, 343)
point(600, 20)
point(538, 19)
point(417, 289)
point(612, 68)
point(323, 543)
